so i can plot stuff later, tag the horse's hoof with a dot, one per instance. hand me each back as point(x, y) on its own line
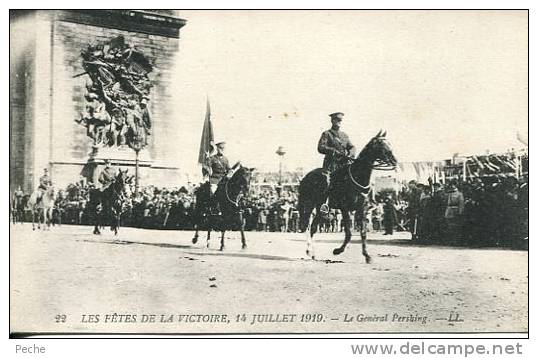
point(368, 260)
point(308, 253)
point(194, 240)
point(313, 257)
point(244, 246)
point(221, 248)
point(337, 251)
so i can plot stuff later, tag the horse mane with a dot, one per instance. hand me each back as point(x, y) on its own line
point(364, 151)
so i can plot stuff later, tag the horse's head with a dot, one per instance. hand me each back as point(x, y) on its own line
point(242, 177)
point(121, 182)
point(379, 152)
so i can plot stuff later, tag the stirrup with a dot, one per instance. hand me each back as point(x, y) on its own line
point(324, 209)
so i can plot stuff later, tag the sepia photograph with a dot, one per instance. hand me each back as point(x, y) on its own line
point(249, 172)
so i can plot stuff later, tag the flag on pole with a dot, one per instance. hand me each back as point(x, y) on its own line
point(207, 142)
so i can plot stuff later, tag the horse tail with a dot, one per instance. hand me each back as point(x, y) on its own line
point(304, 207)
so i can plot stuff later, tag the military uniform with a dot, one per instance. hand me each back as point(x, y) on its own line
point(106, 177)
point(44, 182)
point(454, 216)
point(219, 167)
point(336, 146)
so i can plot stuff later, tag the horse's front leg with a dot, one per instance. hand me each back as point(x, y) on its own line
point(347, 229)
point(47, 219)
point(196, 220)
point(97, 219)
point(310, 236)
point(242, 229)
point(117, 225)
point(222, 240)
point(363, 240)
point(195, 238)
point(33, 219)
point(113, 220)
point(40, 218)
point(208, 236)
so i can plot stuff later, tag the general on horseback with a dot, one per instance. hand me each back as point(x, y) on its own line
point(344, 180)
point(217, 168)
point(337, 148)
point(217, 204)
point(109, 199)
point(107, 176)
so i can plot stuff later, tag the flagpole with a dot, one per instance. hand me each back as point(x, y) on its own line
point(206, 142)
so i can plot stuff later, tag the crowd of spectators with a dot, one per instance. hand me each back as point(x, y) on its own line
point(486, 211)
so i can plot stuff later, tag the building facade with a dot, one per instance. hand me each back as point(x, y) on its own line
point(48, 85)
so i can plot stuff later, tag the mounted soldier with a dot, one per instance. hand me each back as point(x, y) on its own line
point(337, 148)
point(219, 167)
point(107, 176)
point(44, 184)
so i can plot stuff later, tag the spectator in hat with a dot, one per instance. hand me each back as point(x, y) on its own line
point(454, 212)
point(389, 216)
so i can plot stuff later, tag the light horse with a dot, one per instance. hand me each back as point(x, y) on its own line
point(43, 208)
point(348, 192)
point(227, 195)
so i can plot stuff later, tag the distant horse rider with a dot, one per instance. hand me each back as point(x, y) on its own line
point(219, 168)
point(337, 147)
point(44, 184)
point(107, 175)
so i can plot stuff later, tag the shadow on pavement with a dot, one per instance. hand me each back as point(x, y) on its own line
point(125, 242)
point(410, 243)
point(245, 255)
point(214, 253)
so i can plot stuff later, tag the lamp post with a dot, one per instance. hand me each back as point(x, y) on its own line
point(280, 151)
point(137, 144)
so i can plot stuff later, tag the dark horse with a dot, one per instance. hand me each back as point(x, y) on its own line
point(227, 196)
point(20, 204)
point(348, 192)
point(108, 202)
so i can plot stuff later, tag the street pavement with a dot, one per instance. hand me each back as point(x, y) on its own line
point(156, 281)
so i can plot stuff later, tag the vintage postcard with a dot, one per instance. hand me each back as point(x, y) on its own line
point(268, 172)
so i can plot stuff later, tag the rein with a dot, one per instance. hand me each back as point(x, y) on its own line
point(365, 188)
point(383, 167)
point(234, 203)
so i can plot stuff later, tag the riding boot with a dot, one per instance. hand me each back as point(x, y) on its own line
point(39, 199)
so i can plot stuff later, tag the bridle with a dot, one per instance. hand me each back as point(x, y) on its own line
point(364, 188)
point(236, 202)
point(380, 164)
point(377, 165)
point(383, 166)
